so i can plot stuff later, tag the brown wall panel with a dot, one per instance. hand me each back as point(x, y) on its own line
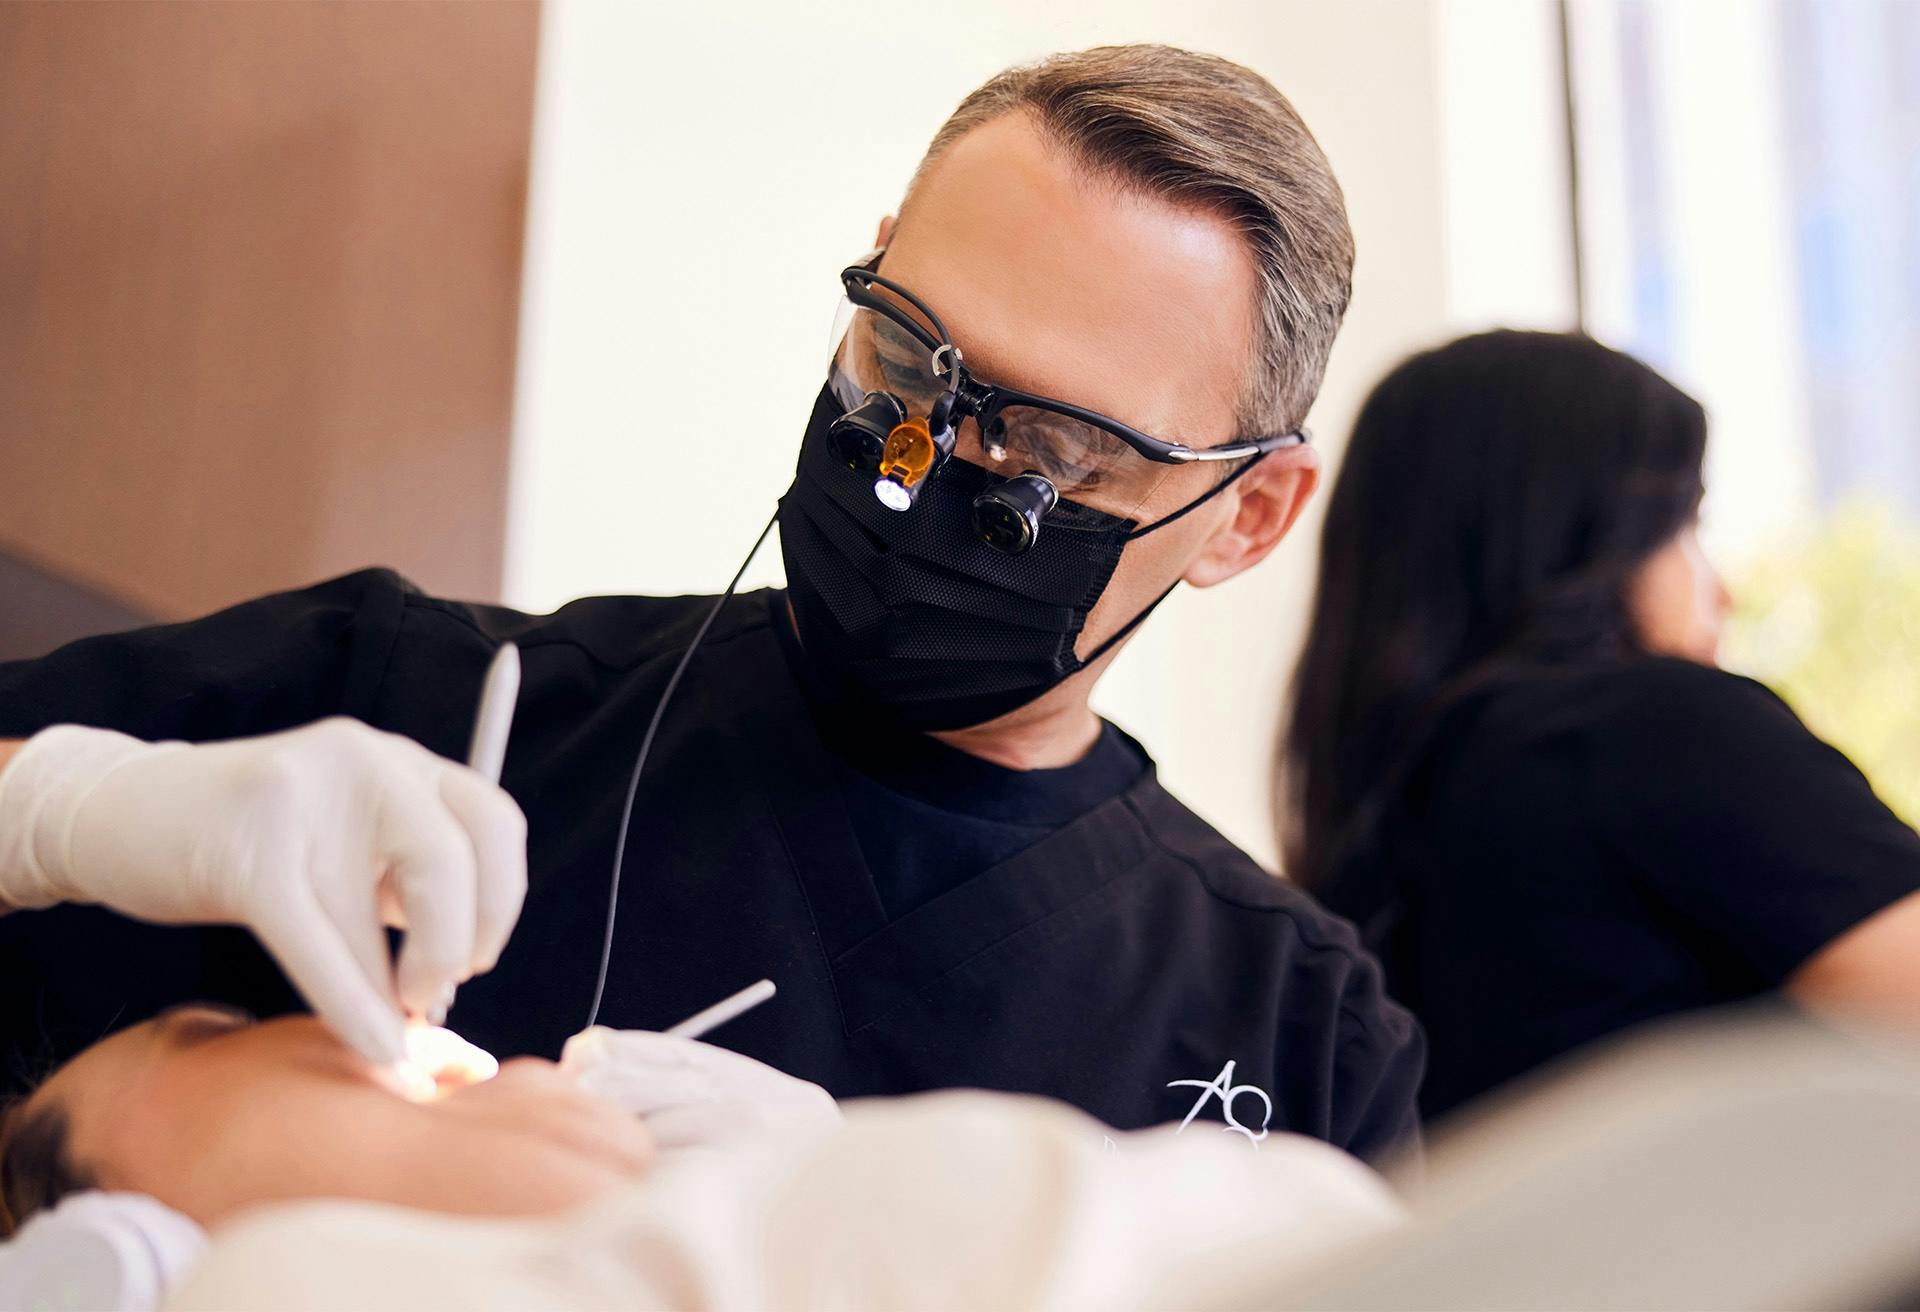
point(259, 288)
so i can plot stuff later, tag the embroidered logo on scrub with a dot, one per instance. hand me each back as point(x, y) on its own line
point(1222, 1087)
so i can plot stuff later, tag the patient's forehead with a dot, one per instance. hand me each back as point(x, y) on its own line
point(91, 1083)
point(86, 1087)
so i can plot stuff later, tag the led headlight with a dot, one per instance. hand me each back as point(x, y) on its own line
point(912, 453)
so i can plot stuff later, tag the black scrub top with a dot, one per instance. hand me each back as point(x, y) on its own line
point(1587, 849)
point(931, 920)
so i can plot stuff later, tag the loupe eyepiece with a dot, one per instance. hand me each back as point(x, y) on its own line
point(858, 439)
point(1007, 517)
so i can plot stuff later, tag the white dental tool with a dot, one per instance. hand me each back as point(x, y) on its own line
point(495, 716)
point(488, 750)
point(723, 1011)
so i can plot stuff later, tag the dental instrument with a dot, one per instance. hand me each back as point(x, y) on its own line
point(491, 723)
point(723, 1011)
point(487, 752)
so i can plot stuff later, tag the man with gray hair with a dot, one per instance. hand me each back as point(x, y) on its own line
point(1070, 377)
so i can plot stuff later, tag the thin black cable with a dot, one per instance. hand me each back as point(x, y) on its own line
point(640, 762)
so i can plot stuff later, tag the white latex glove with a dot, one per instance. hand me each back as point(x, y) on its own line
point(307, 837)
point(692, 1094)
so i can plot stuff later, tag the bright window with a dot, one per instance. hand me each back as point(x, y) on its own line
point(1749, 218)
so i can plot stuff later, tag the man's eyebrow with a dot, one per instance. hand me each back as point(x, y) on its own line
point(896, 341)
point(993, 369)
point(993, 376)
point(987, 364)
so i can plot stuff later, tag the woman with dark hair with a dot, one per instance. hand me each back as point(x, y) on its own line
point(1512, 759)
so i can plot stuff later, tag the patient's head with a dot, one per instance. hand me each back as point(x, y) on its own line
point(210, 1112)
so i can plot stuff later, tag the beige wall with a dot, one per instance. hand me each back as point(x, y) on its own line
point(701, 174)
point(259, 274)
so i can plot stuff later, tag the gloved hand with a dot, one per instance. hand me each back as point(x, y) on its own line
point(692, 1094)
point(307, 837)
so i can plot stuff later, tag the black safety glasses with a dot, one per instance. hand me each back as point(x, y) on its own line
point(1078, 438)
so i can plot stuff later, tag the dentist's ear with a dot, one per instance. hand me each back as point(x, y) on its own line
point(1266, 502)
point(885, 234)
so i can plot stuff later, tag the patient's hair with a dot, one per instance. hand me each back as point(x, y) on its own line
point(36, 1167)
point(1203, 131)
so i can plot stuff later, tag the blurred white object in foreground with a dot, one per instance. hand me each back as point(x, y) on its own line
point(944, 1200)
point(1744, 1160)
point(1747, 1158)
point(101, 1252)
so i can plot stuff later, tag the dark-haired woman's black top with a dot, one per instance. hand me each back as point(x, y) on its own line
point(1583, 850)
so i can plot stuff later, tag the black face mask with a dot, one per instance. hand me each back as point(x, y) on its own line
point(911, 616)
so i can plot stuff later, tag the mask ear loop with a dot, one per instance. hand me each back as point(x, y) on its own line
point(1199, 501)
point(1139, 533)
point(1129, 626)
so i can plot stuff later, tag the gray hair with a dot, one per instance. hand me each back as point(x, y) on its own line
point(1203, 131)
